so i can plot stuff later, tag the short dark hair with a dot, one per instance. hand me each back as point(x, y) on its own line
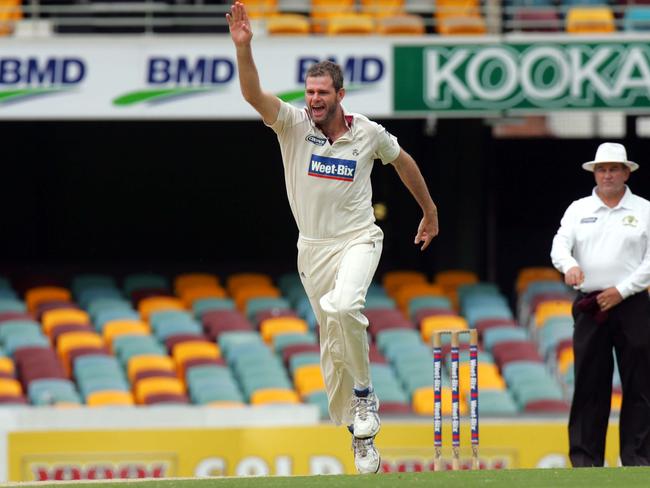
point(327, 68)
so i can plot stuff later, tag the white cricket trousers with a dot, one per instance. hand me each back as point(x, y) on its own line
point(336, 274)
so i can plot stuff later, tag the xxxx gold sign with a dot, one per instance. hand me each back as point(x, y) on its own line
point(519, 76)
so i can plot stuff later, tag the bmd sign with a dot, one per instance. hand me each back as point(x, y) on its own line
point(522, 77)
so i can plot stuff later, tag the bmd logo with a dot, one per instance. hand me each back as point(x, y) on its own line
point(359, 72)
point(171, 78)
point(25, 78)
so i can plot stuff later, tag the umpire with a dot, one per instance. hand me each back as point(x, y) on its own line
point(602, 248)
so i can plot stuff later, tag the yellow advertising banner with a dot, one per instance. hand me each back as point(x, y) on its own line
point(324, 449)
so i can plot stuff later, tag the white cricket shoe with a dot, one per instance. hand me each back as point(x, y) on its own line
point(366, 418)
point(366, 456)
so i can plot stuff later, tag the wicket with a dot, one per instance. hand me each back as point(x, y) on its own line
point(455, 395)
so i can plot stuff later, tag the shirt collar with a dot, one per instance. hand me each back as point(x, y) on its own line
point(626, 201)
point(347, 116)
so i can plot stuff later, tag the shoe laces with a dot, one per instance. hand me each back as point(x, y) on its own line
point(361, 406)
point(361, 446)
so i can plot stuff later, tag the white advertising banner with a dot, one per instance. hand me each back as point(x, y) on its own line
point(177, 77)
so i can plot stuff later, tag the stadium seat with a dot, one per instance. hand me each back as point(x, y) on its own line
point(536, 19)
point(590, 20)
point(10, 13)
point(190, 294)
point(237, 280)
point(275, 396)
point(149, 305)
point(459, 17)
point(281, 325)
point(39, 294)
point(393, 280)
point(110, 398)
point(190, 280)
point(156, 386)
point(636, 18)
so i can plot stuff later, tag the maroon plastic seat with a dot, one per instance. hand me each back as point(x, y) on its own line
point(272, 313)
point(536, 19)
point(153, 373)
point(162, 398)
point(217, 321)
point(172, 340)
point(394, 408)
point(13, 399)
point(375, 356)
point(485, 324)
point(54, 305)
point(547, 297)
point(7, 374)
point(377, 328)
point(384, 315)
point(430, 312)
point(83, 351)
point(289, 351)
point(507, 351)
point(24, 353)
point(6, 316)
point(547, 406)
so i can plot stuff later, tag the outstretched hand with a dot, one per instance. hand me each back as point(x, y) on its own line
point(240, 26)
point(427, 230)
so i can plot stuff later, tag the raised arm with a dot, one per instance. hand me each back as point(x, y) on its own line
point(409, 173)
point(266, 104)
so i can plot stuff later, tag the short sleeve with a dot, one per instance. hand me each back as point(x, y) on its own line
point(288, 116)
point(387, 146)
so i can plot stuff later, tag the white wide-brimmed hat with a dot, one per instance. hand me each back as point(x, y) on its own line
point(610, 152)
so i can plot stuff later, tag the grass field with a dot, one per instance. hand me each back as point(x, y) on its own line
point(528, 478)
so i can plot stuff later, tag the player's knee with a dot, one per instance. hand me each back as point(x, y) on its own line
point(343, 306)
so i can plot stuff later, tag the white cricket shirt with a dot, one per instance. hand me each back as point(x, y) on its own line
point(610, 245)
point(328, 185)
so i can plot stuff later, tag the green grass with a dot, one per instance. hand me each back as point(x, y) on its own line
point(527, 478)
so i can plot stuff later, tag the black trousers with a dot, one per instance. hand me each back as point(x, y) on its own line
point(627, 332)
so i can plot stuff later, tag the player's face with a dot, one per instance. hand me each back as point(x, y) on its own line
point(611, 178)
point(322, 100)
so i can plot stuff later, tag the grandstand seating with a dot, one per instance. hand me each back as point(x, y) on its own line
point(100, 344)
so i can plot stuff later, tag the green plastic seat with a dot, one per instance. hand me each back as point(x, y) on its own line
point(204, 305)
point(496, 403)
point(140, 281)
point(255, 305)
point(283, 340)
point(19, 341)
point(19, 327)
point(379, 302)
point(303, 358)
point(161, 317)
point(319, 398)
point(418, 303)
point(392, 336)
point(50, 391)
point(12, 305)
point(495, 335)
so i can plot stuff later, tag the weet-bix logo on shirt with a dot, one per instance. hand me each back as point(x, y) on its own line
point(332, 168)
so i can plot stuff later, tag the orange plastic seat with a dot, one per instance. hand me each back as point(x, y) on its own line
point(55, 317)
point(266, 396)
point(10, 12)
point(146, 362)
point(40, 294)
point(408, 292)
point(323, 10)
point(441, 322)
point(488, 378)
point(391, 18)
point(149, 305)
point(224, 404)
point(185, 351)
point(237, 280)
point(196, 292)
point(269, 328)
point(7, 365)
point(393, 280)
point(590, 20)
point(565, 360)
point(349, 24)
point(190, 280)
point(288, 24)
point(109, 398)
point(72, 340)
point(535, 273)
point(552, 308)
point(157, 385)
point(11, 387)
point(308, 378)
point(423, 401)
point(116, 328)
